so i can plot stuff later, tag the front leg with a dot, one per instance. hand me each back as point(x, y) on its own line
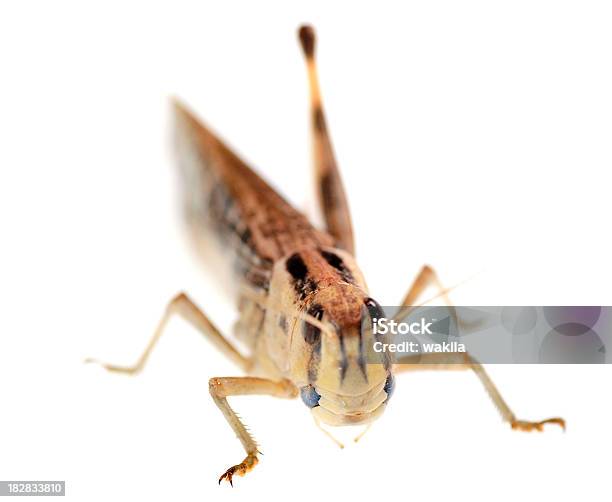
point(221, 388)
point(463, 361)
point(458, 361)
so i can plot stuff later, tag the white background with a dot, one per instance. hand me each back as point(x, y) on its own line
point(473, 136)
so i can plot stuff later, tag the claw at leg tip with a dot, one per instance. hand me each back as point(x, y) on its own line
point(538, 426)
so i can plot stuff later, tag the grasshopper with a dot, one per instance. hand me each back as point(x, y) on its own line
point(305, 313)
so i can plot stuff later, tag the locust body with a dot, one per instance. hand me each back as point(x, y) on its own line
point(305, 312)
point(291, 267)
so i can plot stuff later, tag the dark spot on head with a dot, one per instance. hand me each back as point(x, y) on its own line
point(335, 261)
point(296, 267)
point(302, 284)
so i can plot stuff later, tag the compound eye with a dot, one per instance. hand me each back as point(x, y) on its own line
point(375, 311)
point(310, 396)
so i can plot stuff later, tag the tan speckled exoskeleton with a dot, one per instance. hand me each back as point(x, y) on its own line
point(305, 313)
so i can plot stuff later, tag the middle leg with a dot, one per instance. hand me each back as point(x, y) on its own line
point(427, 277)
point(183, 306)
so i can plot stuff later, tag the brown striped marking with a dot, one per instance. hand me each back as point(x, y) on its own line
point(312, 336)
